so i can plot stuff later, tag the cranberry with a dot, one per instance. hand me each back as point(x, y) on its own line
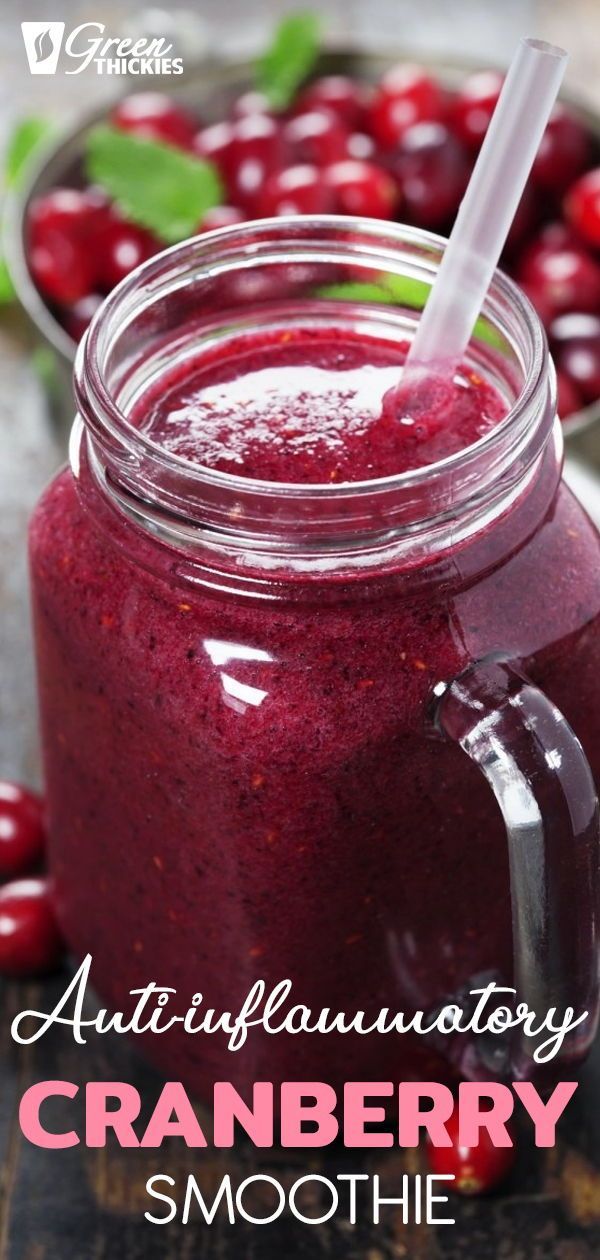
point(297, 190)
point(79, 316)
point(582, 206)
point(362, 188)
point(525, 220)
point(121, 246)
point(569, 399)
point(30, 942)
point(563, 152)
point(215, 144)
point(220, 217)
point(250, 103)
point(60, 225)
point(343, 96)
point(472, 108)
point(476, 1169)
point(22, 833)
point(154, 116)
point(316, 137)
point(407, 95)
point(433, 171)
point(256, 151)
point(576, 343)
point(360, 146)
point(564, 277)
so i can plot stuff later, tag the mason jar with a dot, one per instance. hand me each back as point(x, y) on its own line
point(344, 735)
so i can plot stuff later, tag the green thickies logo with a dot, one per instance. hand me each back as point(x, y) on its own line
point(88, 45)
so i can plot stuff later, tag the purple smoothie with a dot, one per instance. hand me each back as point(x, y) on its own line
point(244, 788)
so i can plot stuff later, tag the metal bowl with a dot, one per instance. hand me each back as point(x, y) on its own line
point(210, 88)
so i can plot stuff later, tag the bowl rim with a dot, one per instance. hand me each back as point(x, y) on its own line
point(66, 142)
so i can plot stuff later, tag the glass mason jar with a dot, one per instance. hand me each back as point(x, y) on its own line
point(338, 734)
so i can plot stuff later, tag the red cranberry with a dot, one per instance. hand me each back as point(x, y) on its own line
point(565, 277)
point(568, 397)
point(582, 207)
point(472, 108)
point(256, 151)
point(22, 835)
point(362, 188)
point(317, 137)
point(220, 217)
point(407, 95)
point(297, 190)
point(120, 247)
point(60, 225)
point(154, 116)
point(360, 146)
point(525, 220)
point(433, 171)
point(476, 1169)
point(215, 144)
point(344, 97)
point(250, 103)
point(30, 942)
point(575, 340)
point(563, 152)
point(79, 316)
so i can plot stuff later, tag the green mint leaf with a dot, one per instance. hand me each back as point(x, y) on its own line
point(401, 291)
point(289, 58)
point(27, 136)
point(154, 184)
point(7, 289)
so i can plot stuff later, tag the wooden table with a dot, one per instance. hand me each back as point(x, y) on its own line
point(86, 1205)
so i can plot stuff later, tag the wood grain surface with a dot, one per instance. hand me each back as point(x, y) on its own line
point(88, 1205)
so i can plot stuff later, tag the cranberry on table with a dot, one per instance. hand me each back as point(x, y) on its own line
point(296, 190)
point(582, 207)
point(316, 136)
point(343, 96)
point(80, 315)
point(406, 95)
point(563, 152)
point(22, 833)
point(220, 217)
point(476, 1169)
point(433, 171)
point(30, 941)
point(560, 278)
point(59, 227)
point(472, 107)
point(154, 116)
point(362, 188)
point(256, 151)
point(120, 247)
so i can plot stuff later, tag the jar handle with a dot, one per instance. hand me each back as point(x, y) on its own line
point(542, 781)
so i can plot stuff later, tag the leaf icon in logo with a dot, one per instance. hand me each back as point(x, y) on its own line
point(43, 46)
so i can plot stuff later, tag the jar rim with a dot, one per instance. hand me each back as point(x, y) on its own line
point(92, 391)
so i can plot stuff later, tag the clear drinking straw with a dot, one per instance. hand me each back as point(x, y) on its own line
point(488, 207)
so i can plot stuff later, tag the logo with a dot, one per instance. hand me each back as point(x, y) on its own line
point(42, 44)
point(88, 45)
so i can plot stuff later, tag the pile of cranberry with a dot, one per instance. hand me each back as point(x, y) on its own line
point(30, 942)
point(400, 150)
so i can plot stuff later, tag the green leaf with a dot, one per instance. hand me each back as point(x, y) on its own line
point(154, 184)
point(7, 290)
point(27, 136)
point(401, 291)
point(289, 58)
